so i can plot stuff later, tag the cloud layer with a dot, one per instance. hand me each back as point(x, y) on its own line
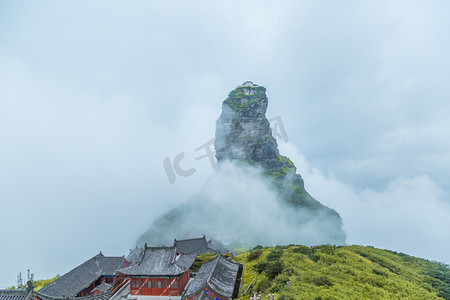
point(241, 208)
point(94, 96)
point(410, 215)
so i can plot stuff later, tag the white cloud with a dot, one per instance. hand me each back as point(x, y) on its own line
point(94, 96)
point(410, 215)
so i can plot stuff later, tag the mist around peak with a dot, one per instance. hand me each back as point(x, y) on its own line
point(240, 207)
point(255, 195)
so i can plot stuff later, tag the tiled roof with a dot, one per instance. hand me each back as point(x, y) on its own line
point(217, 247)
point(199, 246)
point(102, 296)
point(73, 282)
point(25, 295)
point(135, 255)
point(219, 275)
point(192, 246)
point(161, 261)
point(204, 296)
point(103, 287)
point(14, 295)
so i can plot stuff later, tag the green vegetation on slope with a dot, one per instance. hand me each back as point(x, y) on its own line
point(342, 272)
point(237, 100)
point(200, 260)
point(38, 284)
point(205, 257)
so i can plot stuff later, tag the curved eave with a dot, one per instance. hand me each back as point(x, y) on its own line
point(88, 297)
point(153, 275)
point(209, 288)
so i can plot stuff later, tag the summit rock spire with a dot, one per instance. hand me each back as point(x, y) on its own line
point(252, 179)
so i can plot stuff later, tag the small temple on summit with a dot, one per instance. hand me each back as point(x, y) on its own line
point(248, 83)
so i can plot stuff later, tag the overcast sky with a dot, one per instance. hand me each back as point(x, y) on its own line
point(95, 94)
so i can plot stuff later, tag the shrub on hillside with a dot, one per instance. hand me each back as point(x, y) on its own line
point(274, 255)
point(286, 297)
point(279, 283)
point(273, 269)
point(260, 267)
point(322, 281)
point(306, 251)
point(254, 255)
point(384, 274)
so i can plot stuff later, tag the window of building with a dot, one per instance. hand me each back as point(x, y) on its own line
point(159, 284)
point(175, 284)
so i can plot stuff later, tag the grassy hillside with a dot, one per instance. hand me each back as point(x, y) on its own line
point(347, 272)
point(38, 284)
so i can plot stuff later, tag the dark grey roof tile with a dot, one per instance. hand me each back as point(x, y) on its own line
point(102, 296)
point(14, 295)
point(73, 282)
point(135, 255)
point(161, 261)
point(192, 246)
point(219, 275)
point(102, 288)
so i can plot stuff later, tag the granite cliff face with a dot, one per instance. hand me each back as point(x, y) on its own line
point(243, 134)
point(251, 179)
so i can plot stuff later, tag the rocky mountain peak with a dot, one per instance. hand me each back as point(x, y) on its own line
point(243, 132)
point(258, 182)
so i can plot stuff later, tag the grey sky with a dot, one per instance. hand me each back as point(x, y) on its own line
point(95, 94)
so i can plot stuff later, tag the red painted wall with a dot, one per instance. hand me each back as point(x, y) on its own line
point(159, 286)
point(102, 279)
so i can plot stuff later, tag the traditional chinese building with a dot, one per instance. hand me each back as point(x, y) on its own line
point(88, 276)
point(16, 295)
point(135, 255)
point(162, 272)
point(23, 294)
point(192, 246)
point(102, 288)
point(102, 292)
point(199, 246)
point(147, 273)
point(217, 279)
